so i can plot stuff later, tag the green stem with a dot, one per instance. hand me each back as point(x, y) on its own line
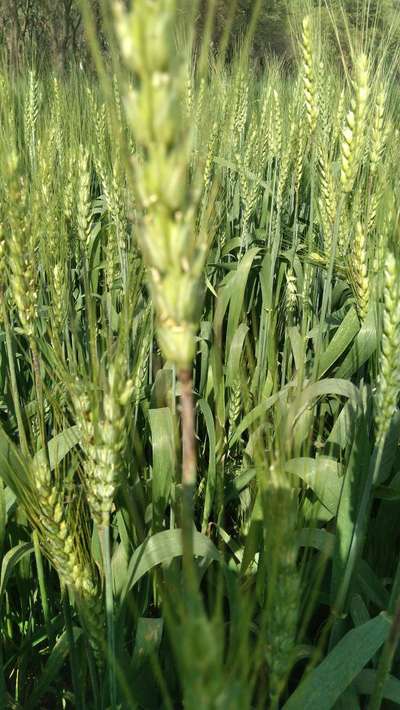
point(13, 380)
point(42, 586)
point(2, 679)
point(106, 552)
point(189, 472)
point(39, 393)
point(72, 655)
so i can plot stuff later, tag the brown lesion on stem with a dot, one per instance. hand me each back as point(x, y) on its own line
point(189, 471)
point(188, 430)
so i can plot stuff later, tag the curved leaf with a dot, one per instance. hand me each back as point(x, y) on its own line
point(60, 445)
point(11, 558)
point(322, 475)
point(164, 547)
point(346, 332)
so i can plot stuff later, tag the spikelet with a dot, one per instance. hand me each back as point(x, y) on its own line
point(240, 110)
point(373, 208)
point(339, 118)
point(66, 553)
point(208, 168)
point(235, 405)
point(58, 123)
point(142, 365)
point(291, 295)
point(200, 101)
point(265, 135)
point(249, 185)
point(389, 376)
point(306, 291)
point(299, 165)
point(359, 272)
point(285, 165)
point(117, 102)
point(309, 78)
point(59, 300)
point(104, 440)
point(84, 212)
point(379, 254)
point(31, 114)
point(276, 126)
point(3, 262)
point(22, 266)
point(69, 188)
point(353, 136)
point(378, 135)
point(327, 199)
point(323, 99)
point(189, 93)
point(173, 250)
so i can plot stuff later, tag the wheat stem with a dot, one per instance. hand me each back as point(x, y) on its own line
point(104, 534)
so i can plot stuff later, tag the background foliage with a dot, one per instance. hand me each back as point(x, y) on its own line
point(52, 30)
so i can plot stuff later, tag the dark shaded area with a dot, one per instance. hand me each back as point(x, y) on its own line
point(52, 31)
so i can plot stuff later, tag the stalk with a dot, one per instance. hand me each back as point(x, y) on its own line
point(39, 392)
point(104, 534)
point(72, 655)
point(42, 586)
point(188, 465)
point(13, 380)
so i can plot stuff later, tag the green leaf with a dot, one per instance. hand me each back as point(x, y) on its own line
point(389, 450)
point(119, 566)
point(235, 354)
point(343, 429)
point(164, 547)
point(328, 681)
point(297, 344)
point(333, 387)
point(365, 684)
point(318, 539)
point(256, 414)
point(13, 467)
point(3, 515)
point(10, 560)
point(340, 342)
point(364, 346)
point(322, 475)
point(59, 446)
point(162, 392)
point(164, 464)
point(148, 638)
point(357, 470)
point(232, 295)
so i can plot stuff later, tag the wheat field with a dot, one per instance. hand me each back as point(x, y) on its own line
point(199, 378)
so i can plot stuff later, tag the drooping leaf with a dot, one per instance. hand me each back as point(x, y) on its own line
point(322, 475)
point(164, 547)
point(10, 560)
